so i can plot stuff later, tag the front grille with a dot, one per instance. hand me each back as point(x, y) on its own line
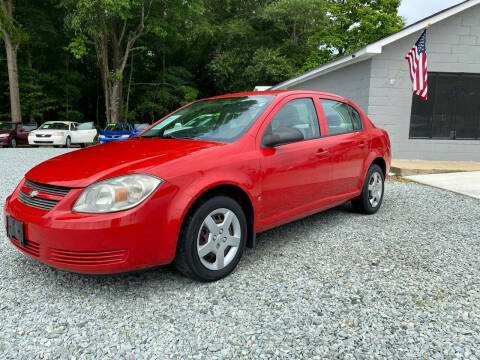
point(106, 257)
point(31, 247)
point(44, 135)
point(36, 202)
point(48, 189)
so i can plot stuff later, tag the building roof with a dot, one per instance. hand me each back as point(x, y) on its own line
point(376, 47)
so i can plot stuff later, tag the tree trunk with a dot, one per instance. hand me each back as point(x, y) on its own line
point(11, 51)
point(116, 101)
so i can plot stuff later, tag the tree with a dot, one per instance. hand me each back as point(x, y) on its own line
point(13, 35)
point(113, 27)
point(298, 18)
point(352, 24)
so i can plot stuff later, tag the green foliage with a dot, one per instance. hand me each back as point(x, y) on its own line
point(352, 24)
point(189, 49)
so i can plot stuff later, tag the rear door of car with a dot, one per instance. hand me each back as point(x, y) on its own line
point(295, 175)
point(347, 143)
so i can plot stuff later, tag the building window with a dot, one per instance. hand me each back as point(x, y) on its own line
point(452, 110)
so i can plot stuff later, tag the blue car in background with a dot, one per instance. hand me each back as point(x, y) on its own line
point(120, 131)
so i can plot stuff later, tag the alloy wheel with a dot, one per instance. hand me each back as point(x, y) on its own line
point(375, 189)
point(219, 239)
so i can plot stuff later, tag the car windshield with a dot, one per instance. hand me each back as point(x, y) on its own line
point(117, 127)
point(221, 120)
point(7, 126)
point(54, 126)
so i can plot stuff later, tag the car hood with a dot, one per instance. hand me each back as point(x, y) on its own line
point(115, 133)
point(81, 168)
point(6, 131)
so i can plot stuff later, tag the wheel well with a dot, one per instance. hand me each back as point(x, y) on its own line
point(381, 162)
point(236, 194)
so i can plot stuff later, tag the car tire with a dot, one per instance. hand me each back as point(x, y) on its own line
point(371, 197)
point(82, 145)
point(13, 142)
point(68, 142)
point(204, 229)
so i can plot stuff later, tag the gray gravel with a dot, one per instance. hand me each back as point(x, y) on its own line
point(404, 283)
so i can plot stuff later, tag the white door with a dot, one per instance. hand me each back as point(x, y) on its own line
point(75, 136)
point(86, 132)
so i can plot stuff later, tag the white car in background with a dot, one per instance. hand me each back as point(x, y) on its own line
point(63, 133)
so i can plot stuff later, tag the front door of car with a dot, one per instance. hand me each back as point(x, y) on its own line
point(86, 132)
point(22, 135)
point(294, 175)
point(348, 145)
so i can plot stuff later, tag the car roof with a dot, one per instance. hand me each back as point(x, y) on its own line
point(282, 93)
point(59, 121)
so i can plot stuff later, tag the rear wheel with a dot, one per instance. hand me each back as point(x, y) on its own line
point(212, 239)
point(371, 197)
point(82, 145)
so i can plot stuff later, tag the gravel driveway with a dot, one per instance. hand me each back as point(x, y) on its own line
point(404, 283)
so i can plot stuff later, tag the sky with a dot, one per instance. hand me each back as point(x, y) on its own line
point(414, 10)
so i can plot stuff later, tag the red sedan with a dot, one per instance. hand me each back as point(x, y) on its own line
point(195, 187)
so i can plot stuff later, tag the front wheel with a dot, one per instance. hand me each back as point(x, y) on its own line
point(68, 142)
point(371, 197)
point(13, 143)
point(212, 239)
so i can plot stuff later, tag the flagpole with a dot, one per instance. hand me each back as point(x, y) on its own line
point(400, 68)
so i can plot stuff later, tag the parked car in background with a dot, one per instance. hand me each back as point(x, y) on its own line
point(63, 133)
point(13, 134)
point(119, 131)
point(196, 187)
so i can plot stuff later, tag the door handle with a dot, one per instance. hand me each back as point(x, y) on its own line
point(322, 154)
point(362, 144)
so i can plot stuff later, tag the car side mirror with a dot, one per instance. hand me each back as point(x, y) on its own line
point(282, 135)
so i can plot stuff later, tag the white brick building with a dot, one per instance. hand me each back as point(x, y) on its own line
point(447, 126)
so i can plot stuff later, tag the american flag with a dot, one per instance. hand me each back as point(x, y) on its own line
point(417, 62)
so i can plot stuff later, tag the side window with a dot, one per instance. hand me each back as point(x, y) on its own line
point(356, 119)
point(29, 127)
point(299, 114)
point(341, 117)
point(85, 126)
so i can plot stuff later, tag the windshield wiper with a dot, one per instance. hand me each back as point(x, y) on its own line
point(169, 136)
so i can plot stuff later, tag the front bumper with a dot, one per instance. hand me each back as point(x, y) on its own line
point(53, 140)
point(4, 141)
point(108, 139)
point(98, 243)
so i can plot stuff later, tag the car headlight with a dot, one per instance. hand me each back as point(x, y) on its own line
point(124, 136)
point(101, 136)
point(3, 135)
point(58, 133)
point(116, 194)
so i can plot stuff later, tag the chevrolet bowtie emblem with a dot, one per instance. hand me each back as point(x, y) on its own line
point(33, 193)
